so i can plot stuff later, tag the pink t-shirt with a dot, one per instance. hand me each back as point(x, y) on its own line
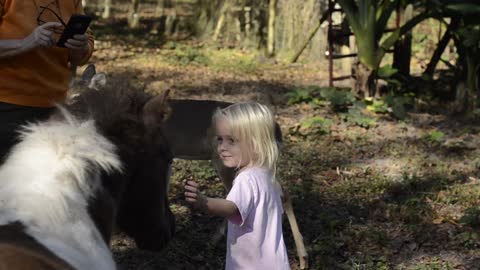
point(255, 240)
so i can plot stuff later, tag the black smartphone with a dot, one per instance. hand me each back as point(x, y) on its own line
point(77, 25)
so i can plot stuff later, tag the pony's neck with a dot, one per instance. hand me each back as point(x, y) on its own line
point(46, 183)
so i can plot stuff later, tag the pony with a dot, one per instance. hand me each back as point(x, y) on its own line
point(99, 161)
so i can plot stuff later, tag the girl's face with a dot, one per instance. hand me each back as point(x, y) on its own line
point(229, 150)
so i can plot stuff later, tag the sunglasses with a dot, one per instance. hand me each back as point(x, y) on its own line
point(40, 21)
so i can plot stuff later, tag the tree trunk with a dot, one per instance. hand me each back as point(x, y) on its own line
point(309, 37)
point(402, 54)
point(271, 28)
point(159, 26)
point(463, 102)
point(106, 9)
point(442, 44)
point(133, 16)
point(472, 91)
point(221, 20)
point(171, 19)
point(364, 81)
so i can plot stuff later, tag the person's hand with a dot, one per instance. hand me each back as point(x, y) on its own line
point(42, 36)
point(78, 44)
point(193, 195)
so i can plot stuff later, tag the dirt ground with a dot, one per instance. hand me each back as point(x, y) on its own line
point(391, 196)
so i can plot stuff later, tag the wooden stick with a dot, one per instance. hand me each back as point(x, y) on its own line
point(297, 236)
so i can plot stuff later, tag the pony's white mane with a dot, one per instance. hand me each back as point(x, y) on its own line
point(46, 182)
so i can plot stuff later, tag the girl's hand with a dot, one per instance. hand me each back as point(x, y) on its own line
point(42, 36)
point(193, 195)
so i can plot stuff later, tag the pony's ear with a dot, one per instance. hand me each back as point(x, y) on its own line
point(98, 81)
point(88, 73)
point(156, 110)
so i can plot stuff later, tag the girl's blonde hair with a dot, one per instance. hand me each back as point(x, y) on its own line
point(253, 126)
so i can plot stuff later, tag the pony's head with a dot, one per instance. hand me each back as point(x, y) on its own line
point(132, 120)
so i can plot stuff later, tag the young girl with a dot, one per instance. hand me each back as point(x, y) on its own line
point(245, 140)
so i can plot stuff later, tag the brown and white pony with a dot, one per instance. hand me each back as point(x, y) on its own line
point(98, 161)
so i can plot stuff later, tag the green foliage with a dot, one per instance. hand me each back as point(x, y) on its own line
point(469, 36)
point(369, 20)
point(189, 55)
point(316, 125)
point(355, 117)
point(435, 136)
point(464, 7)
point(305, 94)
point(339, 99)
point(393, 104)
point(391, 76)
point(386, 72)
point(376, 106)
point(435, 264)
point(234, 61)
point(398, 104)
point(370, 263)
point(469, 239)
point(398, 110)
point(471, 218)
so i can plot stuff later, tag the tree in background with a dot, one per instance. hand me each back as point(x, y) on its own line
point(106, 9)
point(402, 51)
point(271, 28)
point(133, 16)
point(466, 35)
point(276, 26)
point(369, 20)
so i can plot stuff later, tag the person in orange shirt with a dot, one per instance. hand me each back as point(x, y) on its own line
point(34, 72)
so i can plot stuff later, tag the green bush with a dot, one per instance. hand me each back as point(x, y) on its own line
point(339, 99)
point(303, 95)
point(355, 117)
point(435, 136)
point(315, 126)
point(377, 106)
point(471, 218)
point(189, 55)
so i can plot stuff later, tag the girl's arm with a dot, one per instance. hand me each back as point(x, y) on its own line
point(214, 206)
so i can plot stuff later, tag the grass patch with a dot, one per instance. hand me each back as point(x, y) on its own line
point(233, 61)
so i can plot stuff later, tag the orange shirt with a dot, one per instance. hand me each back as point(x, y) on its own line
point(39, 77)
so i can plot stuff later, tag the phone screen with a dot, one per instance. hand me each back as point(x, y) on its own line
point(77, 25)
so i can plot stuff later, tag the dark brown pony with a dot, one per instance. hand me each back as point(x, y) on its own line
point(98, 161)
